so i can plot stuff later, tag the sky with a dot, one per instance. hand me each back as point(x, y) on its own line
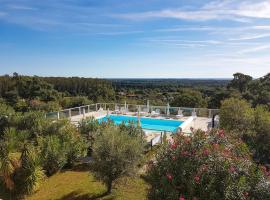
point(135, 38)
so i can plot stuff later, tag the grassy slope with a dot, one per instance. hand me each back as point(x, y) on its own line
point(81, 185)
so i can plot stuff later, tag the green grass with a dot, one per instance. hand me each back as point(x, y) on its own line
point(81, 185)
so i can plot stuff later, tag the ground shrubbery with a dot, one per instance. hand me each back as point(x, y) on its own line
point(251, 124)
point(32, 146)
point(207, 166)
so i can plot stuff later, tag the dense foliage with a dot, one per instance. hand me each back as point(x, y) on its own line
point(207, 166)
point(116, 153)
point(251, 124)
point(32, 146)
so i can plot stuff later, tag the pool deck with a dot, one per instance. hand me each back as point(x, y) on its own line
point(197, 123)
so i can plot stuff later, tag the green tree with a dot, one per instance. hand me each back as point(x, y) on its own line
point(53, 154)
point(189, 98)
point(236, 116)
point(8, 163)
point(261, 138)
point(240, 82)
point(29, 176)
point(6, 113)
point(115, 154)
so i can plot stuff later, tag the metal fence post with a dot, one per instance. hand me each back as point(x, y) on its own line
point(69, 113)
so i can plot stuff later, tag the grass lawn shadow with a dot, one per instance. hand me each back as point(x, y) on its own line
point(77, 196)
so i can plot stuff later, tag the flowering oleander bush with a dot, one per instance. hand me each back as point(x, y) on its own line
point(207, 166)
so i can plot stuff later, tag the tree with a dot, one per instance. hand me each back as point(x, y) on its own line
point(115, 154)
point(260, 142)
point(8, 164)
point(206, 166)
point(6, 113)
point(240, 82)
point(189, 98)
point(30, 174)
point(236, 116)
point(53, 154)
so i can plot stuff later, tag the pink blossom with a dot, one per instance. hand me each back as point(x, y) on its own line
point(181, 197)
point(232, 169)
point(174, 158)
point(169, 177)
point(221, 133)
point(246, 194)
point(174, 146)
point(185, 153)
point(197, 179)
point(206, 152)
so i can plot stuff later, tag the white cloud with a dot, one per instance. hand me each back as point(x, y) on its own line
point(255, 49)
point(256, 10)
point(20, 7)
point(216, 10)
point(251, 37)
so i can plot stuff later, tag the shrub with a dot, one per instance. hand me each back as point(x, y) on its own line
point(61, 145)
point(206, 166)
point(236, 116)
point(30, 174)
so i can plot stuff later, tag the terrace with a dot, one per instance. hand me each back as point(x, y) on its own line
point(188, 119)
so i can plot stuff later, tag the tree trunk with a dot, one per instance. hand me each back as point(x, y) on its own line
point(109, 187)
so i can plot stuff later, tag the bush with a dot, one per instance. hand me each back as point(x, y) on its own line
point(260, 141)
point(237, 116)
point(206, 166)
point(115, 154)
point(61, 145)
point(30, 174)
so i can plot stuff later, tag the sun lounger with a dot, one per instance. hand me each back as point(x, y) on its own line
point(179, 114)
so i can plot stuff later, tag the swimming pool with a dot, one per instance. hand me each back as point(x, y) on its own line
point(146, 123)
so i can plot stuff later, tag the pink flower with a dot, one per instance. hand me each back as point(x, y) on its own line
point(206, 152)
point(169, 177)
point(173, 146)
point(221, 133)
point(181, 197)
point(174, 158)
point(187, 140)
point(232, 169)
point(246, 194)
point(185, 153)
point(264, 169)
point(197, 179)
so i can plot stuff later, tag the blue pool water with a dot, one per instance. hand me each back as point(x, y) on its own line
point(146, 123)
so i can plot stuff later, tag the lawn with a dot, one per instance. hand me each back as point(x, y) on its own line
point(81, 185)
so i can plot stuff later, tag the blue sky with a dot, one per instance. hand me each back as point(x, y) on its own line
point(135, 38)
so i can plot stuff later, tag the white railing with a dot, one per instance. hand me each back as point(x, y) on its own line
point(163, 110)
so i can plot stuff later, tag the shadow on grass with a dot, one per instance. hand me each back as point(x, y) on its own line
point(80, 167)
point(77, 196)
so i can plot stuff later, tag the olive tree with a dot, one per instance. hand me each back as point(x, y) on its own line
point(115, 154)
